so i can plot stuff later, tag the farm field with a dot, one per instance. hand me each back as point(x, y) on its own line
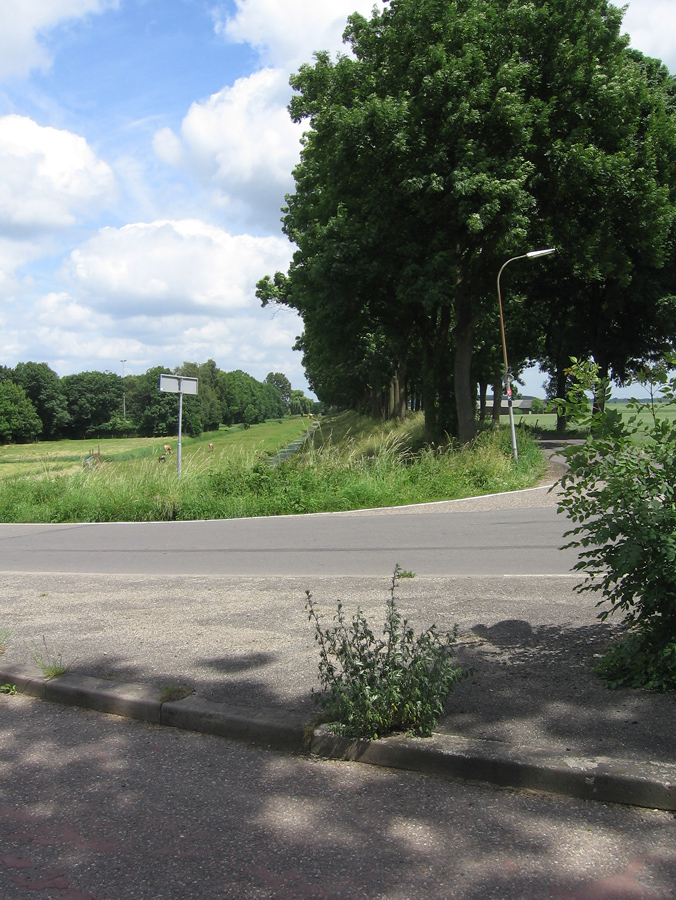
point(60, 457)
point(546, 422)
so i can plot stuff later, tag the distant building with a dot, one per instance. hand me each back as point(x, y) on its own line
point(520, 404)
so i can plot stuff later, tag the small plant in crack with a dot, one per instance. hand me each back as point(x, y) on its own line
point(173, 692)
point(373, 686)
point(50, 661)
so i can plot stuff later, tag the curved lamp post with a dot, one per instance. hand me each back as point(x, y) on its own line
point(533, 254)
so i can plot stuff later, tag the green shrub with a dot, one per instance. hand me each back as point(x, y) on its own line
point(620, 490)
point(372, 686)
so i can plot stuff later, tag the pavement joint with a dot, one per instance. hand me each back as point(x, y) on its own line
point(648, 784)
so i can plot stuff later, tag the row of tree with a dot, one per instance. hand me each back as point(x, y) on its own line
point(459, 134)
point(36, 402)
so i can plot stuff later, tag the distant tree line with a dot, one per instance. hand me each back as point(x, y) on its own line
point(36, 403)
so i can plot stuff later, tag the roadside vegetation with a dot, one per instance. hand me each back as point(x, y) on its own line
point(351, 463)
point(620, 493)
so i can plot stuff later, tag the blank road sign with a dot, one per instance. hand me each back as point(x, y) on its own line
point(178, 384)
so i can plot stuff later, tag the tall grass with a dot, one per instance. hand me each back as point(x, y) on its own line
point(369, 469)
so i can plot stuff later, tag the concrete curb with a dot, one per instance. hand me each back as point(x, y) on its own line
point(651, 785)
point(279, 729)
point(613, 781)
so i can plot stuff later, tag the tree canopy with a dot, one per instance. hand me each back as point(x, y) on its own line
point(34, 402)
point(460, 133)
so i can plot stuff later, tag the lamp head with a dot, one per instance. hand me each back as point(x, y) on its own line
point(535, 253)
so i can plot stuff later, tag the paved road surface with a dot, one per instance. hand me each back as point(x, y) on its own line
point(98, 808)
point(454, 540)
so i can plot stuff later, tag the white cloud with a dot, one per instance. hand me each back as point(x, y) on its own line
point(240, 143)
point(24, 22)
point(652, 26)
point(286, 34)
point(242, 146)
point(14, 255)
point(171, 267)
point(75, 337)
point(48, 178)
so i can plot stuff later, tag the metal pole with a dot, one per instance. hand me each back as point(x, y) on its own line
point(180, 422)
point(532, 254)
point(124, 405)
point(508, 375)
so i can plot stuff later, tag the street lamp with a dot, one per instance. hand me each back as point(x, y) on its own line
point(124, 405)
point(533, 254)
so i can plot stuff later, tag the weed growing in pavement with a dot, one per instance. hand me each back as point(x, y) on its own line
point(8, 689)
point(50, 661)
point(372, 686)
point(5, 635)
point(173, 692)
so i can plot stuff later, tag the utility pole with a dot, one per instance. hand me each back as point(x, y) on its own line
point(124, 404)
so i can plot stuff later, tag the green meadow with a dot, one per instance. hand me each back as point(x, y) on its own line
point(52, 457)
point(546, 422)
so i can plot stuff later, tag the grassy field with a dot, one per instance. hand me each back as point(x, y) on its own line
point(546, 422)
point(52, 457)
point(351, 463)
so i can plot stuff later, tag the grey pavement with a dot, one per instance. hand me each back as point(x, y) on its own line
point(516, 534)
point(244, 645)
point(96, 807)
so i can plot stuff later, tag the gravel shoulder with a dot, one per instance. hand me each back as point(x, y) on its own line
point(531, 643)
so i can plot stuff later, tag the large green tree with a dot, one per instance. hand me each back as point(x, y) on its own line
point(605, 152)
point(93, 398)
point(462, 132)
point(19, 421)
point(282, 383)
point(43, 389)
point(413, 178)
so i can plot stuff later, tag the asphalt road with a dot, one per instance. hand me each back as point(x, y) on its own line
point(93, 807)
point(454, 540)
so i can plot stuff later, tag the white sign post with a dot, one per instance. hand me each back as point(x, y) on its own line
point(178, 384)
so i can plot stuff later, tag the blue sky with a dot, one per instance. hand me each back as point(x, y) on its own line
point(145, 151)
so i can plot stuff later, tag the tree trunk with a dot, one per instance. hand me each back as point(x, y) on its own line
point(376, 402)
point(560, 395)
point(435, 372)
point(462, 370)
point(599, 401)
point(400, 392)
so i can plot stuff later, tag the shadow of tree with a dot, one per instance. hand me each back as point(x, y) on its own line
point(534, 685)
point(233, 681)
point(107, 807)
point(226, 665)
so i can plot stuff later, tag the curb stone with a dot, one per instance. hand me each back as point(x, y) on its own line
point(651, 785)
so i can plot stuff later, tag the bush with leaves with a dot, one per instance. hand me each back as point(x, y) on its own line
point(620, 490)
point(373, 686)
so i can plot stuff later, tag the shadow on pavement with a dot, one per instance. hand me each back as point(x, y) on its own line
point(94, 807)
point(533, 685)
